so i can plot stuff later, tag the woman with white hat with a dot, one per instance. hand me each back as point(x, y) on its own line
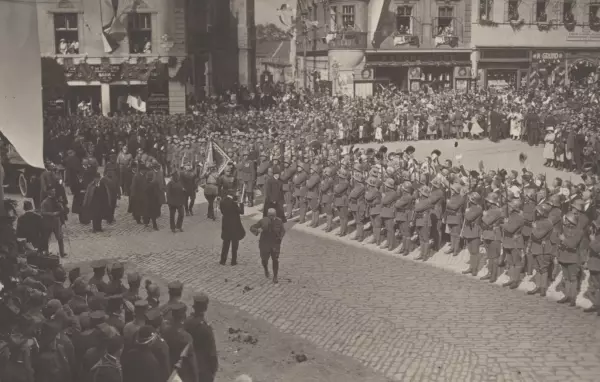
point(549, 146)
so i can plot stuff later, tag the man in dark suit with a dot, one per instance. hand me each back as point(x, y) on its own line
point(97, 203)
point(232, 230)
point(30, 225)
point(274, 195)
point(495, 125)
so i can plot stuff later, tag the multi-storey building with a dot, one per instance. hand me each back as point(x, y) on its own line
point(157, 51)
point(527, 41)
point(407, 43)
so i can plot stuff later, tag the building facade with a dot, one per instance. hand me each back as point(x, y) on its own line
point(525, 42)
point(150, 55)
point(405, 43)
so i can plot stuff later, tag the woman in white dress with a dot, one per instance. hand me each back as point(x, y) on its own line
point(516, 121)
point(378, 134)
point(476, 129)
point(549, 146)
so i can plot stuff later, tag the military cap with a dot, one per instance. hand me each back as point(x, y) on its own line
point(371, 181)
point(154, 315)
point(554, 200)
point(178, 309)
point(409, 150)
point(134, 277)
point(141, 305)
point(571, 218)
point(516, 204)
point(475, 198)
point(80, 285)
point(358, 177)
point(74, 274)
point(578, 205)
point(51, 308)
point(201, 298)
point(98, 264)
point(59, 274)
point(492, 198)
point(114, 300)
point(425, 190)
point(543, 209)
point(390, 183)
point(175, 285)
point(116, 266)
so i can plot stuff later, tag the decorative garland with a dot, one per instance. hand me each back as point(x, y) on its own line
point(570, 22)
point(517, 24)
point(488, 23)
point(544, 26)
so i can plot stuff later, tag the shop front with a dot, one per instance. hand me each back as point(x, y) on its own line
point(502, 67)
point(415, 71)
point(582, 67)
point(109, 87)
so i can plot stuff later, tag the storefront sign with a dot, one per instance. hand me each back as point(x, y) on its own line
point(157, 104)
point(107, 73)
point(419, 57)
point(578, 36)
point(547, 56)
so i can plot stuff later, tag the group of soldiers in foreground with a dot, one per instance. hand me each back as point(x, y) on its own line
point(520, 223)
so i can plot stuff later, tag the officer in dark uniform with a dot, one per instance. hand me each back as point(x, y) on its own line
point(388, 212)
point(134, 280)
point(115, 285)
point(492, 237)
point(471, 231)
point(454, 218)
point(178, 340)
point(203, 338)
point(542, 249)
point(437, 199)
point(97, 280)
point(247, 175)
point(513, 243)
point(261, 171)
point(357, 205)
point(78, 302)
point(175, 289)
point(422, 212)
point(312, 194)
point(571, 252)
point(300, 180)
point(340, 200)
point(403, 213)
point(159, 346)
point(529, 208)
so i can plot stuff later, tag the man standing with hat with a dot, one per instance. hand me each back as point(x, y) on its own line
point(300, 180)
point(454, 218)
point(513, 243)
point(97, 280)
point(271, 231)
point(403, 213)
point(232, 230)
point(492, 238)
point(274, 194)
point(388, 212)
point(181, 345)
point(312, 194)
point(203, 338)
point(247, 174)
point(571, 252)
point(357, 205)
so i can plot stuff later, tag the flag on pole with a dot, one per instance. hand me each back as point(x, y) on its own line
point(216, 155)
point(113, 31)
point(21, 119)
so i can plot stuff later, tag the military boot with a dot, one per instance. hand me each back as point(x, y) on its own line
point(329, 226)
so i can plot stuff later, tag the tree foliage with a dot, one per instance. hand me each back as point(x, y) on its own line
point(270, 32)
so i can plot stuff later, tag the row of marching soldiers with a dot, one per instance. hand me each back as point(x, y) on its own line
point(100, 330)
point(524, 225)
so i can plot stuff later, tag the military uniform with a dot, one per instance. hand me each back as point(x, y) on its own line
point(327, 196)
point(312, 194)
point(492, 236)
point(403, 213)
point(340, 200)
point(178, 339)
point(571, 257)
point(422, 214)
point(454, 218)
point(261, 172)
point(437, 199)
point(287, 177)
point(373, 201)
point(357, 205)
point(542, 250)
point(388, 212)
point(247, 176)
point(300, 190)
point(593, 264)
point(513, 243)
point(97, 280)
point(471, 231)
point(203, 338)
point(529, 207)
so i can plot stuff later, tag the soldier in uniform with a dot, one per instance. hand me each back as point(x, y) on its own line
point(373, 201)
point(114, 310)
point(189, 180)
point(134, 281)
point(471, 231)
point(388, 212)
point(513, 243)
point(203, 338)
point(300, 180)
point(492, 238)
point(287, 177)
point(571, 253)
point(437, 198)
point(542, 249)
point(211, 190)
point(421, 219)
point(312, 194)
point(454, 218)
point(78, 302)
point(529, 208)
point(247, 174)
point(178, 339)
point(261, 171)
point(403, 212)
point(175, 290)
point(227, 183)
point(97, 280)
point(340, 201)
point(327, 195)
point(357, 205)
point(115, 285)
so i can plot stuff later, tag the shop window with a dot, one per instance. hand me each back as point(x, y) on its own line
point(139, 31)
point(485, 9)
point(594, 14)
point(513, 10)
point(66, 33)
point(333, 19)
point(567, 11)
point(445, 18)
point(404, 19)
point(540, 11)
point(348, 16)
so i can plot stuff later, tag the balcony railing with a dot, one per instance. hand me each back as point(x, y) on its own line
point(447, 31)
point(347, 40)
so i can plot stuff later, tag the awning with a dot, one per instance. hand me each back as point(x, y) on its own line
point(374, 64)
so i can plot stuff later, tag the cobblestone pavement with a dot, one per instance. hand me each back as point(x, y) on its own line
point(407, 320)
